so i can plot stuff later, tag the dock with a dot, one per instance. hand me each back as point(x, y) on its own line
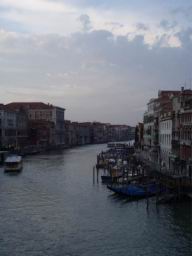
point(120, 169)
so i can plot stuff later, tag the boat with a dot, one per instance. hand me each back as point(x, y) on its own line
point(135, 190)
point(13, 163)
point(106, 179)
point(3, 155)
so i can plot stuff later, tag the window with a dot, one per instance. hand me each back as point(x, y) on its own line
point(10, 122)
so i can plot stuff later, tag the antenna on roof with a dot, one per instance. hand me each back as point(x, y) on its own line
point(185, 85)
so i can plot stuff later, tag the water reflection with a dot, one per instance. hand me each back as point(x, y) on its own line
point(16, 173)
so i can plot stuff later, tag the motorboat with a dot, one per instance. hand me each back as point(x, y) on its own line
point(13, 163)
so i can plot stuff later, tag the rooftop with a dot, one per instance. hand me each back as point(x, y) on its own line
point(30, 105)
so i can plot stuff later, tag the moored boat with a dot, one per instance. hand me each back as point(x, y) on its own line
point(13, 163)
point(136, 190)
point(106, 179)
point(3, 155)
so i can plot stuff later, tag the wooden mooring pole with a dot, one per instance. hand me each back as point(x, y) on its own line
point(97, 175)
point(93, 174)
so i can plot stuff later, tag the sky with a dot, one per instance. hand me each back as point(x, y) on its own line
point(102, 60)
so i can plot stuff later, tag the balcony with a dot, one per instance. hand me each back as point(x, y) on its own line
point(186, 142)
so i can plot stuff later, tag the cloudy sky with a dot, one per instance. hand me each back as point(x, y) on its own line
point(100, 59)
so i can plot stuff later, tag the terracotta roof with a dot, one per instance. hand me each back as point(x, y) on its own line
point(187, 92)
point(4, 107)
point(29, 105)
point(85, 124)
point(165, 92)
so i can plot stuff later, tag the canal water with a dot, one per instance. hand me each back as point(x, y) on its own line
point(53, 208)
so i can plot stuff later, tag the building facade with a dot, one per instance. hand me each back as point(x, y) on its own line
point(40, 112)
point(168, 131)
point(139, 141)
point(165, 139)
point(157, 108)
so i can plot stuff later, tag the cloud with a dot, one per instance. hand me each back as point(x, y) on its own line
point(95, 75)
point(185, 36)
point(141, 26)
point(184, 11)
point(102, 57)
point(61, 16)
point(37, 5)
point(86, 22)
point(168, 25)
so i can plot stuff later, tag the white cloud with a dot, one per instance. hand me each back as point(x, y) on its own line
point(86, 22)
point(61, 17)
point(38, 6)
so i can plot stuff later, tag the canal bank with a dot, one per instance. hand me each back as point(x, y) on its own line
point(53, 208)
point(125, 173)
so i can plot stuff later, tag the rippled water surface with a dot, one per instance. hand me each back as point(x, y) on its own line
point(53, 208)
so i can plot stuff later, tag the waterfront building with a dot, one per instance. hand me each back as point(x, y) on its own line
point(120, 133)
point(181, 157)
point(154, 147)
point(165, 139)
point(70, 132)
point(186, 131)
point(8, 127)
point(168, 131)
point(99, 133)
point(166, 128)
point(139, 141)
point(111, 133)
point(77, 133)
point(38, 111)
point(41, 133)
point(22, 127)
point(128, 133)
point(175, 155)
point(95, 133)
point(84, 133)
point(150, 130)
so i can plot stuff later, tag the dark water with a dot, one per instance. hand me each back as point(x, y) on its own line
point(53, 208)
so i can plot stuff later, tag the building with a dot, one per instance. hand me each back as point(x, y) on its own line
point(185, 117)
point(8, 127)
point(70, 133)
point(150, 131)
point(165, 138)
point(22, 132)
point(95, 133)
point(99, 133)
point(84, 133)
point(139, 141)
point(120, 133)
point(38, 111)
point(129, 133)
point(157, 109)
point(77, 133)
point(168, 131)
point(41, 133)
